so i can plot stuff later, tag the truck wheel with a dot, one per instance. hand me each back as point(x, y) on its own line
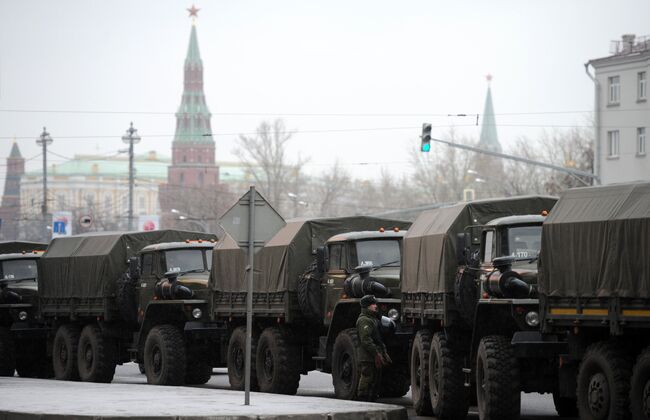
point(237, 359)
point(7, 353)
point(497, 380)
point(309, 293)
point(604, 383)
point(420, 373)
point(565, 406)
point(395, 382)
point(164, 356)
point(640, 387)
point(447, 391)
point(345, 362)
point(277, 361)
point(95, 355)
point(64, 353)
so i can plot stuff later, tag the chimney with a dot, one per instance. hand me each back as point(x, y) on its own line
point(627, 43)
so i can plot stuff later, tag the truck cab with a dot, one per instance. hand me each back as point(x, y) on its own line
point(18, 286)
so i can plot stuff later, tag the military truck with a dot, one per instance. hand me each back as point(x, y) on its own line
point(111, 298)
point(22, 336)
point(468, 285)
point(595, 296)
point(306, 302)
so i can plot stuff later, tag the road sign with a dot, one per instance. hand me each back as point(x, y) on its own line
point(267, 221)
point(86, 221)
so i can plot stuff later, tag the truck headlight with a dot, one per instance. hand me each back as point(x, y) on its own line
point(393, 314)
point(22, 315)
point(197, 313)
point(532, 319)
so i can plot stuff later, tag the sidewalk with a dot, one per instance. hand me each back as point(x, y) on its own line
point(27, 399)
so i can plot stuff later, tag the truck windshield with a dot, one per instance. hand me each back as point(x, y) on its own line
point(19, 269)
point(524, 241)
point(377, 252)
point(187, 259)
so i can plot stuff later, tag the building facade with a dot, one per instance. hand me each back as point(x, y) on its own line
point(622, 111)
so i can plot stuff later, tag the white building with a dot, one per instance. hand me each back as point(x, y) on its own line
point(622, 115)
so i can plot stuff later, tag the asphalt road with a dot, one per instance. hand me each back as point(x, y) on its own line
point(316, 384)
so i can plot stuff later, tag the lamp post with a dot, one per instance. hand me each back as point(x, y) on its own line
point(44, 140)
point(131, 137)
point(187, 218)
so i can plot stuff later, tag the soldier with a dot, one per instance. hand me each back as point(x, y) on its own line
point(372, 353)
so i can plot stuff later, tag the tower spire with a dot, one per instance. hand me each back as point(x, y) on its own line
point(489, 139)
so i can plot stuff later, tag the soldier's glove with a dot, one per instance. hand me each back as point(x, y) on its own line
point(387, 359)
point(379, 361)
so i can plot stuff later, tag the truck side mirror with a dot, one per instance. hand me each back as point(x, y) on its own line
point(322, 257)
point(463, 245)
point(134, 267)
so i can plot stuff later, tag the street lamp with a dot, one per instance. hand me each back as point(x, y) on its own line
point(131, 137)
point(186, 218)
point(44, 140)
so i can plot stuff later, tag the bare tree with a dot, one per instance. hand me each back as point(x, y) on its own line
point(330, 187)
point(264, 156)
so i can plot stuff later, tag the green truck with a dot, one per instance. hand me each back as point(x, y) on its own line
point(22, 335)
point(595, 298)
point(308, 280)
point(110, 298)
point(468, 286)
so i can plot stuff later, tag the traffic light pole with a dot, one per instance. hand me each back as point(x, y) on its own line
point(520, 159)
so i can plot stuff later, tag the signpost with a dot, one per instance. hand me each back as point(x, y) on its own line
point(263, 223)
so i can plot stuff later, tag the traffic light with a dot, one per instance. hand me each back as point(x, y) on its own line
point(426, 138)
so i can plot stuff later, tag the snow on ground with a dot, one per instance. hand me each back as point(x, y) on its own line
point(89, 399)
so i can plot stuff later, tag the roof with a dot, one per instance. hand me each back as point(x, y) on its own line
point(517, 220)
point(15, 151)
point(146, 167)
point(21, 256)
point(368, 234)
point(630, 48)
point(10, 247)
point(194, 244)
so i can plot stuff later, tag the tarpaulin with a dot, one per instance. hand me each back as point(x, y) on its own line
point(596, 243)
point(12, 247)
point(88, 266)
point(286, 255)
point(429, 261)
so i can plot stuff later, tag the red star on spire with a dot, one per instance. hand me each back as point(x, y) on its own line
point(193, 12)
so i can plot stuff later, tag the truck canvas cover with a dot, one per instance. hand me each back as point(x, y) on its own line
point(286, 255)
point(596, 243)
point(429, 253)
point(12, 247)
point(88, 266)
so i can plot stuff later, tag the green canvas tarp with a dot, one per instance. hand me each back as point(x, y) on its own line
point(88, 266)
point(11, 247)
point(596, 243)
point(429, 251)
point(286, 255)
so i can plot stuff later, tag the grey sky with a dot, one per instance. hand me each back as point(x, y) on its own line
point(293, 57)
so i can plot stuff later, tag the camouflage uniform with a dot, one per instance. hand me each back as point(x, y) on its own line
point(371, 346)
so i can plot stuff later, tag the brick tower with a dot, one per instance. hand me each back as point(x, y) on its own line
point(10, 209)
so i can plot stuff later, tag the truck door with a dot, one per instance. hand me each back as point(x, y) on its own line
point(336, 274)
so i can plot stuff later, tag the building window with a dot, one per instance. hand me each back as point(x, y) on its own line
point(108, 205)
point(642, 89)
point(182, 178)
point(640, 141)
point(141, 202)
point(614, 89)
point(200, 178)
point(613, 143)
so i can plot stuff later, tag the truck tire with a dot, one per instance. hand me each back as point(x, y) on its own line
point(277, 362)
point(604, 383)
point(447, 392)
point(126, 299)
point(497, 380)
point(64, 353)
point(309, 294)
point(420, 373)
point(345, 362)
point(395, 381)
point(164, 356)
point(236, 359)
point(565, 406)
point(640, 387)
point(7, 353)
point(95, 355)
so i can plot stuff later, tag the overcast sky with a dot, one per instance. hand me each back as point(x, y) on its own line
point(119, 61)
